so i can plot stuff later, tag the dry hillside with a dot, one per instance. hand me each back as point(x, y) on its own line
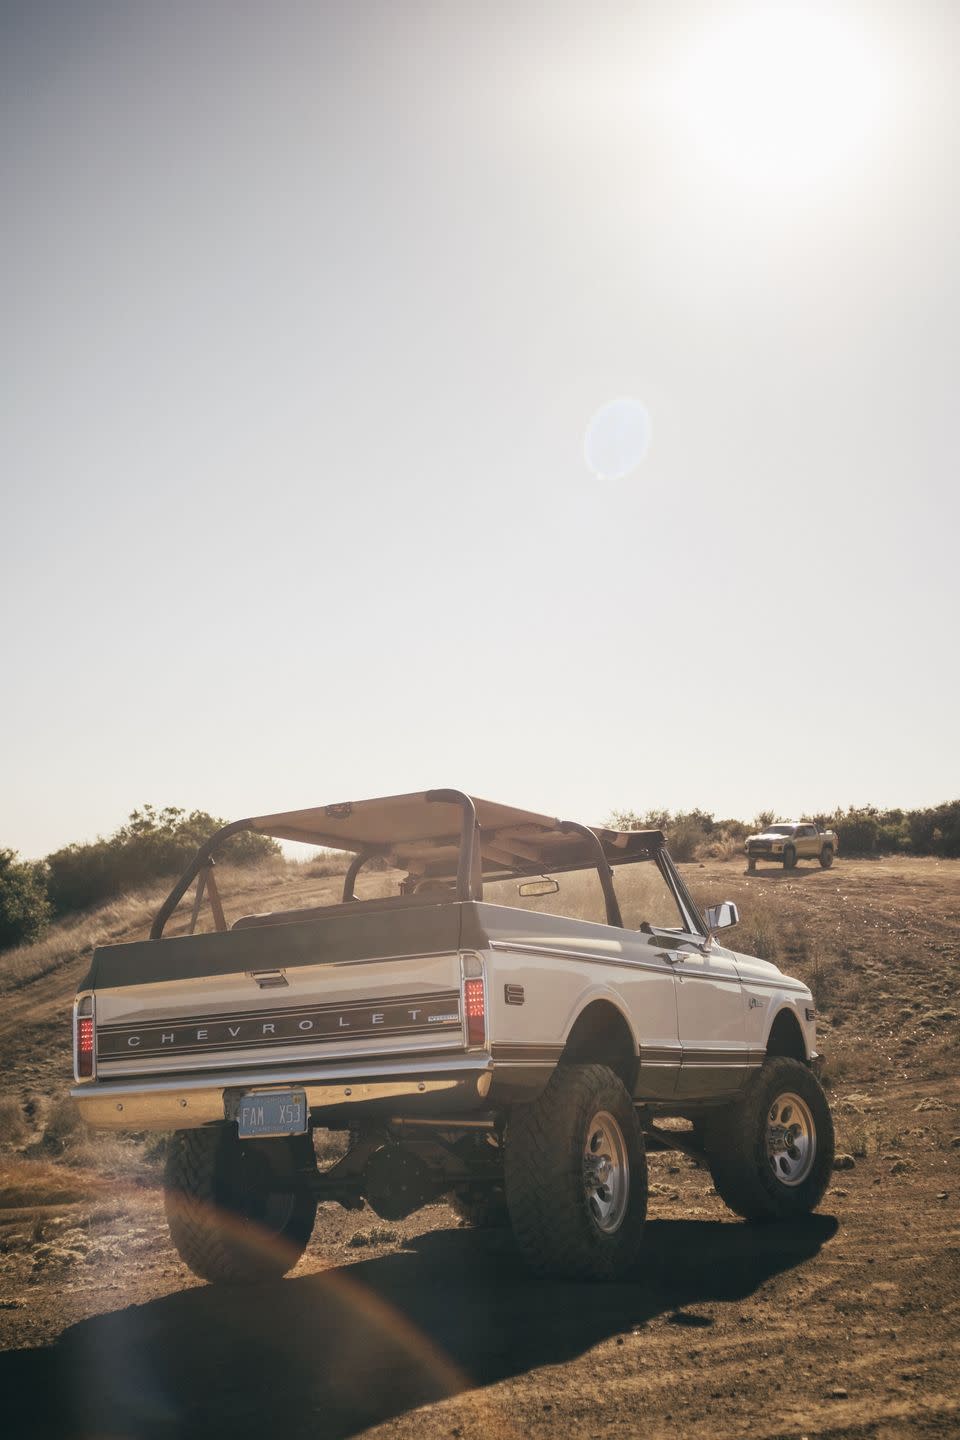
point(846, 1325)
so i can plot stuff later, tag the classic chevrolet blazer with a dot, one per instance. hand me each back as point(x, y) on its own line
point(507, 1028)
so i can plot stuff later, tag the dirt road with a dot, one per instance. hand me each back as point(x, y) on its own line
point(845, 1325)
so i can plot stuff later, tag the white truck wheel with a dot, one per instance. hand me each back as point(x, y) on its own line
point(576, 1175)
point(771, 1153)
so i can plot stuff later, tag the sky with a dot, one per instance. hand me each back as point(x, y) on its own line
point(307, 309)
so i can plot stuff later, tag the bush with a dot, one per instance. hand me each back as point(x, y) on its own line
point(936, 831)
point(24, 904)
point(153, 845)
point(684, 836)
point(858, 831)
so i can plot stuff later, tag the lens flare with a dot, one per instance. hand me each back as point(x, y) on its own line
point(617, 439)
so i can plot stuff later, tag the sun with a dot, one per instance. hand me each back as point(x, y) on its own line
point(780, 95)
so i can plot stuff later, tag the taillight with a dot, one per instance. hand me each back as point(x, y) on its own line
point(475, 1008)
point(83, 1038)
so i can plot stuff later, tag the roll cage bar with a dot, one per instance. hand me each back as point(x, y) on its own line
point(470, 871)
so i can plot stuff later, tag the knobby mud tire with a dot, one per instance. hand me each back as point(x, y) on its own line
point(789, 858)
point(544, 1168)
point(224, 1229)
point(736, 1140)
point(826, 857)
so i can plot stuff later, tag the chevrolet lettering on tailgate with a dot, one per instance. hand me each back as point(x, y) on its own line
point(281, 1027)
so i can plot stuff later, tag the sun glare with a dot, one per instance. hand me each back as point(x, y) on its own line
point(780, 95)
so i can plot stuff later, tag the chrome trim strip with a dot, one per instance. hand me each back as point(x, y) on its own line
point(776, 983)
point(715, 976)
point(387, 959)
point(543, 1064)
point(558, 954)
point(729, 1063)
point(509, 1051)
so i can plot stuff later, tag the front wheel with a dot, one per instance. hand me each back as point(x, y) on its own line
point(789, 858)
point(238, 1211)
point(576, 1176)
point(771, 1153)
point(751, 866)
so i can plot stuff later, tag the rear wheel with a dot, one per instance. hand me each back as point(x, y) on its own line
point(826, 857)
point(771, 1153)
point(238, 1211)
point(576, 1175)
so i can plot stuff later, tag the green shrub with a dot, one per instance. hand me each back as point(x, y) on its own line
point(859, 832)
point(936, 831)
point(684, 836)
point(153, 845)
point(24, 904)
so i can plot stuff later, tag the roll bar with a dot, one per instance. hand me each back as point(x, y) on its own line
point(603, 869)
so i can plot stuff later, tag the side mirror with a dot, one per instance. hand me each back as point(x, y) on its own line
point(530, 888)
point(722, 916)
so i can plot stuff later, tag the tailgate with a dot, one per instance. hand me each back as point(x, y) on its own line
point(287, 994)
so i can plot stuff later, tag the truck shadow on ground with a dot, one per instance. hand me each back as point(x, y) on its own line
point(331, 1354)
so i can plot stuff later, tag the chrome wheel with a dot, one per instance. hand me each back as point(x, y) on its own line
point(791, 1139)
point(606, 1172)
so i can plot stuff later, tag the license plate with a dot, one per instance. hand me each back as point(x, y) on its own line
point(272, 1112)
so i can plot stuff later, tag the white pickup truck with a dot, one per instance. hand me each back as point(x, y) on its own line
point(789, 841)
point(507, 1029)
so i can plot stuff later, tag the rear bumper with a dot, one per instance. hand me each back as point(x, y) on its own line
point(187, 1102)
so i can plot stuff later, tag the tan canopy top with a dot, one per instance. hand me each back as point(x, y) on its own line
point(422, 833)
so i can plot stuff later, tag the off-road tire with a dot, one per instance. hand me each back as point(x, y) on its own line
point(226, 1226)
point(751, 866)
point(483, 1209)
point(789, 858)
point(553, 1211)
point(738, 1153)
point(826, 857)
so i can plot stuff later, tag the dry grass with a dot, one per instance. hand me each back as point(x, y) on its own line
point(13, 1125)
point(32, 1182)
point(327, 862)
point(63, 1139)
point(68, 939)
